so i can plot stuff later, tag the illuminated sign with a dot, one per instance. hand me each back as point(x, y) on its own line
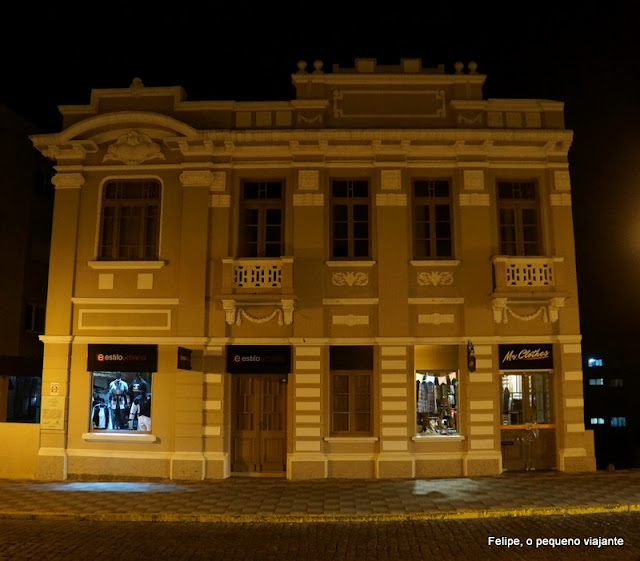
point(122, 358)
point(526, 357)
point(259, 359)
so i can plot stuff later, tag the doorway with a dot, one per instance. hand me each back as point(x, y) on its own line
point(259, 424)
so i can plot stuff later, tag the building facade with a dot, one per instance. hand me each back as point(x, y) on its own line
point(375, 279)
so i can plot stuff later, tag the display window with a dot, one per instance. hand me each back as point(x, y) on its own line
point(437, 401)
point(526, 398)
point(121, 401)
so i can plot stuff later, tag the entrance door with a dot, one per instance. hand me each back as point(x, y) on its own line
point(259, 434)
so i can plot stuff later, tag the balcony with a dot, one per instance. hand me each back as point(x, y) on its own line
point(529, 273)
point(258, 275)
point(528, 288)
point(260, 282)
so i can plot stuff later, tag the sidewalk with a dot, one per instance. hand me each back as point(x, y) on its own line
point(279, 500)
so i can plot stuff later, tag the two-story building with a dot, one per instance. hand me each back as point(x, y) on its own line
point(375, 279)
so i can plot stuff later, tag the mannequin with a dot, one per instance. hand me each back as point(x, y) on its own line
point(118, 390)
point(142, 406)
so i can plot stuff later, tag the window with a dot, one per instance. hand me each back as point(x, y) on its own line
point(526, 398)
point(618, 422)
point(351, 390)
point(130, 220)
point(121, 401)
point(261, 231)
point(518, 216)
point(350, 219)
point(616, 383)
point(597, 420)
point(596, 381)
point(432, 238)
point(436, 403)
point(594, 362)
point(34, 318)
point(23, 398)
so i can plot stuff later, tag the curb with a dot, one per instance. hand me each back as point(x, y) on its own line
point(306, 518)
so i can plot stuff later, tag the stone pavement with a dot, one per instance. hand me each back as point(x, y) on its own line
point(278, 500)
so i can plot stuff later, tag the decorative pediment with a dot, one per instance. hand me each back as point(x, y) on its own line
point(134, 148)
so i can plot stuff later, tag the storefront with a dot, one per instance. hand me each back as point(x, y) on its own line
point(121, 382)
point(528, 430)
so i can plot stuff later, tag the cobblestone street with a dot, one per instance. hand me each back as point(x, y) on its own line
point(31, 540)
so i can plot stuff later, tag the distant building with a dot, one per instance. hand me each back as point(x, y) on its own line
point(376, 279)
point(610, 387)
point(25, 232)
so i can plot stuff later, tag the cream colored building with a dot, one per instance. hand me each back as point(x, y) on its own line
point(331, 269)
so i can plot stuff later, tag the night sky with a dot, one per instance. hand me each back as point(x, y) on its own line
point(589, 59)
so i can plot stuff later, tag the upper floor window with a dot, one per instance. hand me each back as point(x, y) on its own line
point(261, 219)
point(518, 216)
point(350, 238)
point(130, 220)
point(594, 362)
point(432, 234)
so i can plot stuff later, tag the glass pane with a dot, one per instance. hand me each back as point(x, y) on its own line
point(250, 190)
point(443, 213)
point(360, 188)
point(340, 248)
point(361, 212)
point(339, 188)
point(273, 250)
point(273, 234)
point(505, 190)
point(361, 248)
point(441, 188)
point(443, 248)
point(340, 212)
point(274, 190)
point(511, 400)
point(274, 216)
point(340, 231)
point(361, 230)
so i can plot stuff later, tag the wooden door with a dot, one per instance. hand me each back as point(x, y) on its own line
point(259, 443)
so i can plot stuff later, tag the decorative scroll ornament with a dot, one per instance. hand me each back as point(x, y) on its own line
point(350, 279)
point(234, 314)
point(435, 278)
point(134, 148)
point(548, 312)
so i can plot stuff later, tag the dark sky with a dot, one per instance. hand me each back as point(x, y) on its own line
point(590, 59)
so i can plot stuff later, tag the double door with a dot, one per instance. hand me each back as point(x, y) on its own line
point(259, 425)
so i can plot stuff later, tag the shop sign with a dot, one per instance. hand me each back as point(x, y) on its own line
point(259, 359)
point(525, 357)
point(184, 358)
point(122, 358)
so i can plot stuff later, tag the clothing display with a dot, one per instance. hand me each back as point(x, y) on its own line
point(436, 402)
point(121, 401)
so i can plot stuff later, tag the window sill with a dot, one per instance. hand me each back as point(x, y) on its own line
point(350, 263)
point(105, 265)
point(435, 262)
point(144, 438)
point(351, 439)
point(425, 437)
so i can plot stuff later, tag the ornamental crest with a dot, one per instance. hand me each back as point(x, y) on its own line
point(134, 148)
point(350, 279)
point(435, 278)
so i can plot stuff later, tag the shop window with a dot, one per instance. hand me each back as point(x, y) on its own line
point(350, 237)
point(432, 233)
point(596, 381)
point(121, 401)
point(518, 218)
point(23, 399)
point(130, 220)
point(437, 403)
point(261, 219)
point(526, 398)
point(351, 390)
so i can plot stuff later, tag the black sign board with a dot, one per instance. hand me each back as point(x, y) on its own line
point(259, 359)
point(184, 358)
point(525, 357)
point(123, 358)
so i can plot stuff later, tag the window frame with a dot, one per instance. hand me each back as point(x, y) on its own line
point(262, 205)
point(351, 410)
point(351, 202)
point(432, 201)
point(519, 205)
point(147, 246)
